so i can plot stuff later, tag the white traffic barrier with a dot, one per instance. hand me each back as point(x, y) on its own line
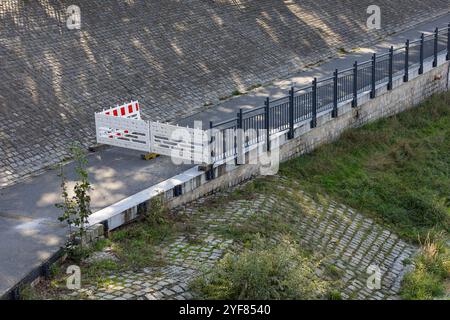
point(122, 126)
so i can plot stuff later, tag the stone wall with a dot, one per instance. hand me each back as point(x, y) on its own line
point(172, 55)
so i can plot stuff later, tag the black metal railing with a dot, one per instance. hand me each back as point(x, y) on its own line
point(305, 103)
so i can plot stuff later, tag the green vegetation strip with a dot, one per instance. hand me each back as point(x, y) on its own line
point(396, 170)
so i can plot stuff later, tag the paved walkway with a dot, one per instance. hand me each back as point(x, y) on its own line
point(346, 241)
point(28, 231)
point(174, 57)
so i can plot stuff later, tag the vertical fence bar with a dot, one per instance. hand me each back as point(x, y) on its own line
point(211, 141)
point(224, 142)
point(422, 49)
point(448, 42)
point(374, 79)
point(436, 43)
point(267, 113)
point(240, 139)
point(291, 113)
point(406, 76)
point(211, 154)
point(314, 103)
point(355, 85)
point(391, 67)
point(334, 113)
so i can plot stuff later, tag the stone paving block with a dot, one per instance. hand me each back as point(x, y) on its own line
point(55, 78)
point(352, 257)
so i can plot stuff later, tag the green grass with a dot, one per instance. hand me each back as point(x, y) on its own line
point(397, 169)
point(264, 271)
point(432, 269)
point(135, 245)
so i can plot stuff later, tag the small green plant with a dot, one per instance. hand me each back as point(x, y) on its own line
point(432, 269)
point(28, 293)
point(333, 271)
point(334, 295)
point(76, 208)
point(156, 213)
point(101, 244)
point(264, 271)
point(236, 93)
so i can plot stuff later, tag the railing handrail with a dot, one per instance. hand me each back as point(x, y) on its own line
point(347, 81)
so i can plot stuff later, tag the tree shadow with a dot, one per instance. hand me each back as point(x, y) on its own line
point(173, 56)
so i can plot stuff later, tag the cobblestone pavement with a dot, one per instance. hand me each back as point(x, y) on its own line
point(344, 238)
point(174, 56)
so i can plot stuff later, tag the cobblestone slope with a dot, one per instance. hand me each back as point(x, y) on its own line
point(343, 238)
point(171, 55)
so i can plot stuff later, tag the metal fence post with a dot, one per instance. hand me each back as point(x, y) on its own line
point(334, 113)
point(211, 140)
point(267, 115)
point(436, 43)
point(291, 113)
point(422, 45)
point(240, 139)
point(374, 79)
point(448, 42)
point(355, 85)
point(314, 103)
point(406, 76)
point(391, 67)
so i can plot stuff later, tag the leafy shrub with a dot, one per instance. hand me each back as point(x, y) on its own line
point(77, 207)
point(265, 271)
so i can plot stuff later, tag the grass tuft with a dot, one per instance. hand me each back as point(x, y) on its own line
point(264, 271)
point(432, 270)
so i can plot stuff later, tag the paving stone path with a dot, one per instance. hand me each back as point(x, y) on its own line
point(175, 57)
point(344, 238)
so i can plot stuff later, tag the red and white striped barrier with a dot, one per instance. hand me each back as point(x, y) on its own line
point(128, 110)
point(122, 126)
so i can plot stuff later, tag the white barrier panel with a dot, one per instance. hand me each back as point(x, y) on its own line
point(179, 142)
point(122, 126)
point(122, 132)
